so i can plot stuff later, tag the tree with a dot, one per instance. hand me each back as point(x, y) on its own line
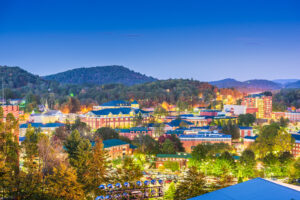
point(200, 152)
point(192, 185)
point(159, 111)
point(284, 122)
point(231, 129)
point(170, 193)
point(146, 144)
point(172, 165)
point(33, 180)
point(97, 170)
point(168, 147)
point(62, 184)
point(106, 133)
point(78, 150)
point(246, 119)
point(247, 164)
point(129, 171)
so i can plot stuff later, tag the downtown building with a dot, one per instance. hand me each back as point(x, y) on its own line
point(260, 103)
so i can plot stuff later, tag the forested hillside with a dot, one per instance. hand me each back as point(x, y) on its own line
point(100, 76)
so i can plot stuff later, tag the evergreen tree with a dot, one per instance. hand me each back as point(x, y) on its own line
point(98, 169)
point(192, 185)
point(129, 171)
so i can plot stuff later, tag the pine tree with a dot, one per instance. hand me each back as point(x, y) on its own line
point(129, 171)
point(192, 185)
point(97, 172)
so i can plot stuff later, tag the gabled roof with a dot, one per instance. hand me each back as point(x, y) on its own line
point(41, 125)
point(258, 189)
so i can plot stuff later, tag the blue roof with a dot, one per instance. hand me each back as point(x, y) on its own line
point(176, 122)
point(134, 102)
point(206, 135)
point(113, 142)
point(21, 139)
point(296, 136)
point(245, 127)
point(251, 137)
point(116, 111)
point(132, 129)
point(116, 103)
point(258, 189)
point(41, 125)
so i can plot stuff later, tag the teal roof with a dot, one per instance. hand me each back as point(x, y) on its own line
point(113, 142)
point(116, 103)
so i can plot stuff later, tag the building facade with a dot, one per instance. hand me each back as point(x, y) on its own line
point(262, 102)
point(192, 140)
point(180, 158)
point(133, 132)
point(114, 118)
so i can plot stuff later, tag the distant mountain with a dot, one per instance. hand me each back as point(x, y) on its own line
point(101, 75)
point(15, 77)
point(293, 85)
point(255, 85)
point(285, 82)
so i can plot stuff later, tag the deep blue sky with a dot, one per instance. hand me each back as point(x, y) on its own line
point(204, 40)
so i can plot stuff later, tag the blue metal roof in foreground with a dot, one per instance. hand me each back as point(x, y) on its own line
point(258, 189)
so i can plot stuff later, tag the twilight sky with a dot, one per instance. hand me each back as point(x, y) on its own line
point(201, 39)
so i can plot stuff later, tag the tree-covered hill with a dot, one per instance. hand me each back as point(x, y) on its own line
point(101, 75)
point(15, 77)
point(254, 85)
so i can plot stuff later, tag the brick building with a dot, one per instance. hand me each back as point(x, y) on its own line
point(296, 147)
point(180, 158)
point(192, 140)
point(114, 117)
point(133, 132)
point(246, 131)
point(117, 148)
point(14, 109)
point(263, 103)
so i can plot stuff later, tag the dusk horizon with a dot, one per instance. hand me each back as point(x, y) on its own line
point(167, 39)
point(149, 100)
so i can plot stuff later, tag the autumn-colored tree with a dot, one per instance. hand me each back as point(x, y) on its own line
point(98, 169)
point(62, 184)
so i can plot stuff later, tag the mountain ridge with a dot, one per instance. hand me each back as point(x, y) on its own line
point(100, 75)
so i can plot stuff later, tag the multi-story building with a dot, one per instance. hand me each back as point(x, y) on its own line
point(192, 140)
point(13, 109)
point(180, 158)
point(246, 131)
point(48, 116)
point(114, 117)
point(296, 146)
point(292, 116)
point(117, 148)
point(235, 109)
point(117, 104)
point(47, 128)
point(133, 132)
point(262, 102)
